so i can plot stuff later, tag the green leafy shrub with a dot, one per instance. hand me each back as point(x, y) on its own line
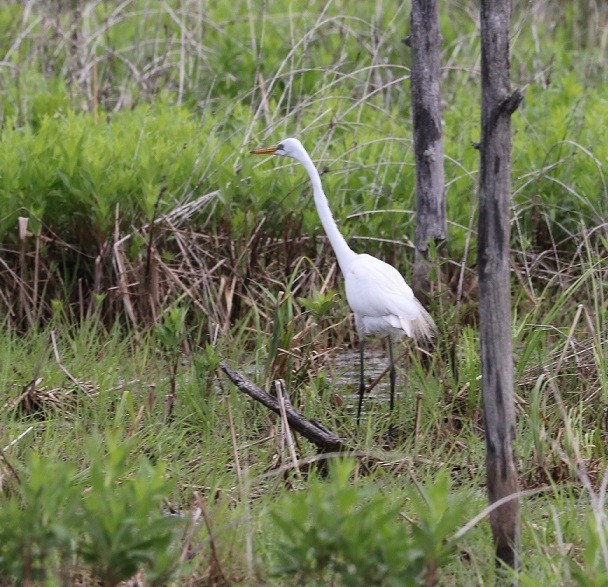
point(354, 533)
point(74, 174)
point(121, 521)
point(37, 527)
point(113, 528)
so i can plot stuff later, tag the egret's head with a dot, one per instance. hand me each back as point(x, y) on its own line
point(287, 148)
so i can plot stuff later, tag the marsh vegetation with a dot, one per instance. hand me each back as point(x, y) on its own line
point(140, 245)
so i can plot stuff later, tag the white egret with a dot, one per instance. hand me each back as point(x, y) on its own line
point(377, 294)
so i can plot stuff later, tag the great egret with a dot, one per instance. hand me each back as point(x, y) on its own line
point(376, 292)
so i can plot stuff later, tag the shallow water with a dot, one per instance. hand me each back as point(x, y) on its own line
point(345, 368)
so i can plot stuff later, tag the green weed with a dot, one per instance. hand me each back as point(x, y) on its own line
point(109, 530)
point(353, 535)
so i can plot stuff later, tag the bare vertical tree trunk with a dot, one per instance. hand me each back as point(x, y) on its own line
point(425, 42)
point(494, 280)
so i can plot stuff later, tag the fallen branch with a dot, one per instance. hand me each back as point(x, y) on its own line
point(309, 429)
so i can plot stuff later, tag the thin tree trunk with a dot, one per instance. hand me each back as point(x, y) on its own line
point(431, 225)
point(494, 280)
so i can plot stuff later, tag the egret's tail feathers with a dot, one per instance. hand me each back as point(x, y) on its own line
point(423, 327)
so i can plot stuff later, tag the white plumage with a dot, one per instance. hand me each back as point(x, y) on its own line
point(382, 302)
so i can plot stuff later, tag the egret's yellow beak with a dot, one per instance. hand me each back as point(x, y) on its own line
point(264, 151)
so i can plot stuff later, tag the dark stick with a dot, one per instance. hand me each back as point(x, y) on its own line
point(309, 429)
point(393, 374)
point(361, 376)
point(152, 231)
point(393, 379)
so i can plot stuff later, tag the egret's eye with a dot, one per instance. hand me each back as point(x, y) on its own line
point(280, 147)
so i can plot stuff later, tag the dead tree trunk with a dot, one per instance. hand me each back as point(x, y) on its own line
point(425, 42)
point(494, 280)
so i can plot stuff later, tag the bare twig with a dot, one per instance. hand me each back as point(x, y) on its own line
point(216, 567)
point(235, 449)
point(16, 440)
point(418, 415)
point(195, 515)
point(121, 275)
point(61, 365)
point(283, 401)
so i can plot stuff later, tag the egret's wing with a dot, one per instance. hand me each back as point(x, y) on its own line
point(383, 302)
point(375, 288)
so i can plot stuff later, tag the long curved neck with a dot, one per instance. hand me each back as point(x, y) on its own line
point(343, 252)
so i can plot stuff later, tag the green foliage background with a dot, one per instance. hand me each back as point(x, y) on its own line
point(114, 114)
point(336, 77)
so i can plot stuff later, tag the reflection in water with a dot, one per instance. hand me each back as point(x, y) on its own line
point(345, 366)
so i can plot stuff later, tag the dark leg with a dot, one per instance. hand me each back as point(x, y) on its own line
point(361, 377)
point(392, 373)
point(393, 378)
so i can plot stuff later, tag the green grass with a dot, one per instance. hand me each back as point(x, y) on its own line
point(218, 447)
point(121, 114)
